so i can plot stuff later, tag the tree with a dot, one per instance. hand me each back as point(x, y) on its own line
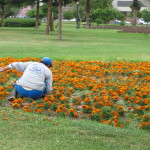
point(60, 20)
point(146, 15)
point(88, 6)
point(31, 13)
point(80, 12)
point(11, 11)
point(103, 4)
point(4, 4)
point(135, 10)
point(33, 3)
point(37, 3)
point(49, 25)
point(139, 13)
point(106, 15)
point(37, 13)
point(60, 4)
point(68, 14)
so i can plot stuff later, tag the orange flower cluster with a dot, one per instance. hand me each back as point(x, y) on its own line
point(115, 93)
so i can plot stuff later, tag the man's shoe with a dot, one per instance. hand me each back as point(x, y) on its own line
point(11, 98)
point(13, 94)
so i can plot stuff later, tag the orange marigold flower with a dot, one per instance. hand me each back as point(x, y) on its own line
point(75, 114)
point(109, 121)
point(39, 110)
point(58, 110)
point(144, 116)
point(71, 110)
point(102, 120)
point(121, 125)
point(135, 115)
point(120, 107)
point(27, 110)
point(101, 115)
point(25, 107)
point(40, 105)
point(116, 121)
point(34, 103)
point(114, 117)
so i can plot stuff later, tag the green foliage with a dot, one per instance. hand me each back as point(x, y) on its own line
point(55, 12)
point(137, 5)
point(95, 4)
point(106, 15)
point(68, 14)
point(95, 117)
point(103, 4)
point(11, 11)
point(32, 13)
point(43, 12)
point(3, 2)
point(122, 23)
point(20, 22)
point(99, 21)
point(139, 13)
point(146, 15)
point(13, 2)
point(119, 15)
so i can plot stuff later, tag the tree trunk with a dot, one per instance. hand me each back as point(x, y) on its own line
point(88, 14)
point(51, 17)
point(60, 20)
point(78, 15)
point(37, 13)
point(48, 17)
point(134, 17)
point(135, 9)
point(3, 16)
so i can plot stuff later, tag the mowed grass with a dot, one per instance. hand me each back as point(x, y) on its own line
point(77, 44)
point(31, 131)
point(22, 131)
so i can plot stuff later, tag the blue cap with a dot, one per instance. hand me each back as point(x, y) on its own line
point(47, 61)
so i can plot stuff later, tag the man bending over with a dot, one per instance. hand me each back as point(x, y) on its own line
point(36, 80)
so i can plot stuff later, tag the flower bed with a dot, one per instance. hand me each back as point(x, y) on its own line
point(115, 93)
point(127, 29)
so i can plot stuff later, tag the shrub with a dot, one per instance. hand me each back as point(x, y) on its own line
point(122, 23)
point(68, 15)
point(146, 15)
point(99, 21)
point(106, 15)
point(20, 22)
point(126, 29)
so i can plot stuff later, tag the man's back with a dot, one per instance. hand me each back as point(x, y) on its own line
point(34, 76)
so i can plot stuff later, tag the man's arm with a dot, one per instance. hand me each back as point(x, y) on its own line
point(20, 66)
point(4, 69)
point(48, 85)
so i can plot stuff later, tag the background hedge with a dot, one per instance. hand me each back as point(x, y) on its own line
point(20, 22)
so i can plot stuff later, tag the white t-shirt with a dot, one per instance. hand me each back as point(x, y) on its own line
point(35, 75)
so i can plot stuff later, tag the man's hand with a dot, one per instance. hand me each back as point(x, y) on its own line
point(1, 69)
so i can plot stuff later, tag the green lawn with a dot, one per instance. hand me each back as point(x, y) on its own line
point(77, 44)
point(24, 131)
point(31, 131)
